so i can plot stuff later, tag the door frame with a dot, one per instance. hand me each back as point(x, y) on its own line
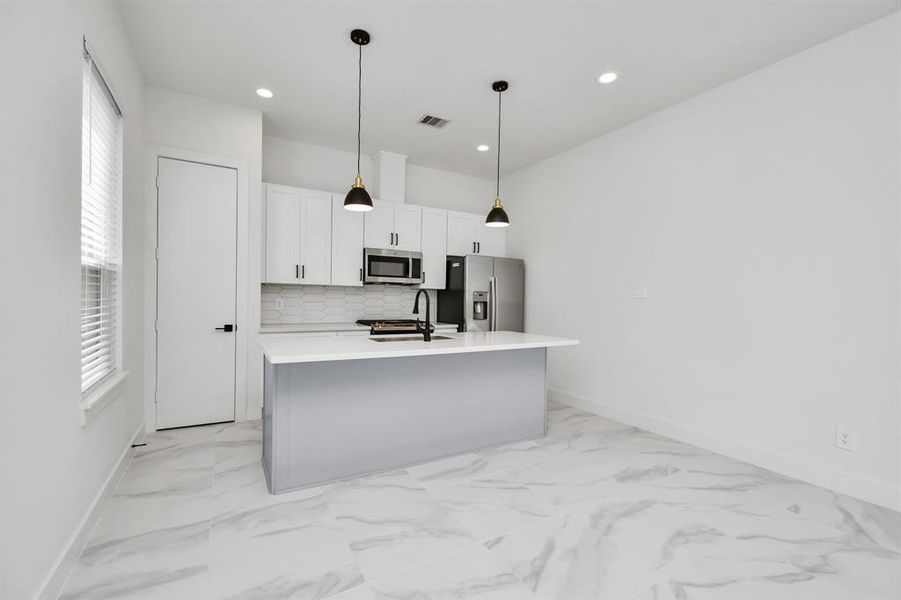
point(242, 310)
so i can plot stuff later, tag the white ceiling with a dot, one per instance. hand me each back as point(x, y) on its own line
point(440, 58)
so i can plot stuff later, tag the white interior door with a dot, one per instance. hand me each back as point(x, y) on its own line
point(196, 289)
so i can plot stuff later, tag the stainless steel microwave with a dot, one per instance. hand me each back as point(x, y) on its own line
point(392, 266)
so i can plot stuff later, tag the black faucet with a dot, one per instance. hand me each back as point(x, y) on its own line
point(427, 330)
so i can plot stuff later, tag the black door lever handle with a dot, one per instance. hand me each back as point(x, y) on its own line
point(228, 327)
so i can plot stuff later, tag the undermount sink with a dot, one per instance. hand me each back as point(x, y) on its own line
point(408, 338)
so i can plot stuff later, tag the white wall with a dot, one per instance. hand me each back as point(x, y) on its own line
point(443, 189)
point(51, 469)
point(290, 162)
point(764, 218)
point(190, 123)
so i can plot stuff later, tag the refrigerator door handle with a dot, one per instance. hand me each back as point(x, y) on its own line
point(495, 299)
point(492, 307)
point(490, 302)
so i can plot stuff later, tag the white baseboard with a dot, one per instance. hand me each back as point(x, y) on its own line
point(68, 558)
point(817, 474)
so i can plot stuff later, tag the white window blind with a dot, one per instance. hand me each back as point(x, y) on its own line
point(101, 209)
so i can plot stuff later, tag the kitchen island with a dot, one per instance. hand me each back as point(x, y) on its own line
point(345, 406)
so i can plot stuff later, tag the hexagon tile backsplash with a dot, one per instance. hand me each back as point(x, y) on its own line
point(327, 304)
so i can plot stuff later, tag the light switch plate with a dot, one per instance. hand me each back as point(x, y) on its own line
point(639, 291)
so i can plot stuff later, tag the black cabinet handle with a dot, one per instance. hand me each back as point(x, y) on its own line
point(303, 271)
point(391, 238)
point(227, 328)
point(296, 271)
point(361, 273)
point(478, 247)
point(473, 247)
point(396, 239)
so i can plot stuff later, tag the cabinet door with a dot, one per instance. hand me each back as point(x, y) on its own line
point(378, 225)
point(315, 237)
point(434, 248)
point(461, 233)
point(347, 244)
point(282, 234)
point(408, 227)
point(491, 241)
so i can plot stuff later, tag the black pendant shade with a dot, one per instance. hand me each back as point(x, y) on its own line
point(497, 217)
point(357, 198)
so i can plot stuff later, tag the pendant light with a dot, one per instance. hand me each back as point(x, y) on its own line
point(357, 198)
point(498, 216)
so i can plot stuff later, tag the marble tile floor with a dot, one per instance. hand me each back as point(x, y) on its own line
point(596, 510)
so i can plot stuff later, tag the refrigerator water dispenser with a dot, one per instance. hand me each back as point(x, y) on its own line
point(479, 306)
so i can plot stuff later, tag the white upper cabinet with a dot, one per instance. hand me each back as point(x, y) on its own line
point(468, 234)
point(461, 233)
point(407, 227)
point(393, 226)
point(312, 239)
point(282, 234)
point(490, 241)
point(298, 235)
point(434, 248)
point(378, 225)
point(315, 237)
point(347, 244)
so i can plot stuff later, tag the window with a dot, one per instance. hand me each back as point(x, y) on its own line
point(101, 216)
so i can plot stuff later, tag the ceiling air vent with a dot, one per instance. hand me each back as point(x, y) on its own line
point(432, 121)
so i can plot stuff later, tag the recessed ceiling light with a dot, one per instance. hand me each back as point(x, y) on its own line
point(483, 147)
point(608, 77)
point(264, 93)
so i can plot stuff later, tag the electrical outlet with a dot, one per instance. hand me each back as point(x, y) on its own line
point(845, 438)
point(279, 304)
point(639, 291)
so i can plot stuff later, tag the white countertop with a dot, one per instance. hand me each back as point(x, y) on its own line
point(281, 350)
point(317, 327)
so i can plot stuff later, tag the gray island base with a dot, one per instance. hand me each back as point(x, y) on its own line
point(330, 420)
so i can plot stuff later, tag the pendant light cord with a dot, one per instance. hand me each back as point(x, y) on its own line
point(497, 190)
point(359, 105)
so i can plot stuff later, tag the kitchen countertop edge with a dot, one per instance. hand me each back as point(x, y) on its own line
point(286, 350)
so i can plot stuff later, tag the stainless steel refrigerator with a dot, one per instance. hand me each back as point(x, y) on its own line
point(483, 293)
